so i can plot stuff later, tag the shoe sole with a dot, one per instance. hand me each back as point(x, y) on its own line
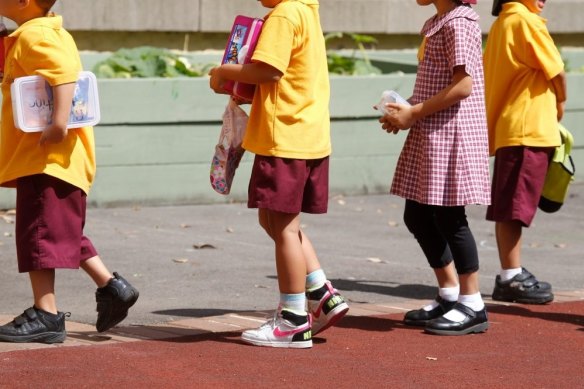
point(302, 344)
point(45, 337)
point(122, 311)
point(476, 329)
point(335, 315)
point(522, 300)
point(416, 323)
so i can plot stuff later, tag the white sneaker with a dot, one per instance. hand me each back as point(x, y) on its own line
point(326, 311)
point(281, 331)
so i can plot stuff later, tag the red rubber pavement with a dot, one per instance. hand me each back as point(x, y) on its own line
point(525, 347)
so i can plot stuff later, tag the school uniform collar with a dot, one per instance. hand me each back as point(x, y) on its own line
point(516, 7)
point(51, 21)
point(435, 23)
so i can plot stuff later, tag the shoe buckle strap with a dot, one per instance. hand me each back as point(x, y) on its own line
point(464, 309)
point(530, 282)
point(28, 315)
point(527, 279)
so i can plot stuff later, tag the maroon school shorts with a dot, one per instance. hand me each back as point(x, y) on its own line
point(517, 183)
point(50, 216)
point(289, 185)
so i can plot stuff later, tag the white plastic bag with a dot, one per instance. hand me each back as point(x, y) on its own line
point(228, 151)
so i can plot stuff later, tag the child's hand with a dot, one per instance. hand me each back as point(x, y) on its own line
point(386, 124)
point(216, 82)
point(53, 134)
point(400, 116)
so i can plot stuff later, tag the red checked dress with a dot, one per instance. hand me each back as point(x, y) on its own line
point(445, 158)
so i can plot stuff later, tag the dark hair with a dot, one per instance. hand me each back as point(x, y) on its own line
point(498, 5)
point(46, 5)
point(459, 2)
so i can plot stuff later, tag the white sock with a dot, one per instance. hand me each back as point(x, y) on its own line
point(507, 274)
point(295, 303)
point(448, 294)
point(473, 301)
point(315, 280)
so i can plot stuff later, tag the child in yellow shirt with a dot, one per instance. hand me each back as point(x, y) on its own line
point(289, 131)
point(525, 90)
point(52, 172)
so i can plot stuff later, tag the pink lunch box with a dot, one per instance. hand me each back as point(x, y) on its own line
point(240, 46)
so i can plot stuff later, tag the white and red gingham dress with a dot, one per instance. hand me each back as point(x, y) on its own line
point(445, 158)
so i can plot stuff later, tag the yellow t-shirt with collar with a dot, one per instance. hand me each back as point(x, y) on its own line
point(42, 47)
point(520, 60)
point(290, 118)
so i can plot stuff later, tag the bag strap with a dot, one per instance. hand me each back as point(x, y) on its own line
point(567, 139)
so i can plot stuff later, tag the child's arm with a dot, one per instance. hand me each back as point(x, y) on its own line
point(253, 73)
point(62, 98)
point(403, 116)
point(560, 87)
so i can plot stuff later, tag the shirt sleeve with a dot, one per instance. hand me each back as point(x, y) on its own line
point(543, 54)
point(460, 41)
point(51, 61)
point(275, 43)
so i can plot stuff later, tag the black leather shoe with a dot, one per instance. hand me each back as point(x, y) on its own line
point(524, 288)
point(35, 325)
point(419, 317)
point(113, 302)
point(474, 322)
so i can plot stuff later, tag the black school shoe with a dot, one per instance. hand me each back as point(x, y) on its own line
point(419, 317)
point(113, 302)
point(35, 325)
point(524, 288)
point(474, 322)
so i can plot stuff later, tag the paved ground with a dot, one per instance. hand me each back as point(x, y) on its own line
point(206, 272)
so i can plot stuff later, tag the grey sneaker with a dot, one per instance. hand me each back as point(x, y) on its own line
point(113, 302)
point(35, 325)
point(524, 288)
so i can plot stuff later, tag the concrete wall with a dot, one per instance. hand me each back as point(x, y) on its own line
point(200, 24)
point(157, 136)
point(371, 16)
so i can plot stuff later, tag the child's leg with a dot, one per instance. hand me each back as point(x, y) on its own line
point(453, 225)
point(420, 219)
point(312, 263)
point(290, 326)
point(310, 257)
point(43, 289)
point(114, 295)
point(469, 314)
point(509, 243)
point(446, 276)
point(42, 322)
point(96, 269)
point(284, 229)
point(469, 283)
point(421, 222)
point(518, 180)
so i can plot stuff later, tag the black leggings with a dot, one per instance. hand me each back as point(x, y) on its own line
point(444, 235)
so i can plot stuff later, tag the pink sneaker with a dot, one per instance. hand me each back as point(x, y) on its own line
point(327, 310)
point(285, 329)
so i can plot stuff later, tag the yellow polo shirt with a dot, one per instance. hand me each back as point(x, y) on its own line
point(290, 118)
point(520, 60)
point(42, 47)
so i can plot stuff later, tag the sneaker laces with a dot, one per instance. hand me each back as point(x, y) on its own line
point(271, 322)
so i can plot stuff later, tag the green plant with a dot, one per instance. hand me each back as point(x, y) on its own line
point(148, 61)
point(339, 64)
